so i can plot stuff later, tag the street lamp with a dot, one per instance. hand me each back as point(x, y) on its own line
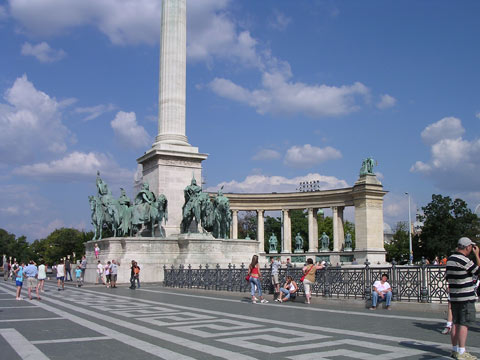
point(410, 256)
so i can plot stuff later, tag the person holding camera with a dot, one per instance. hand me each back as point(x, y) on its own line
point(460, 272)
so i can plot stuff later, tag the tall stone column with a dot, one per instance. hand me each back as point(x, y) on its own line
point(340, 230)
point(287, 232)
point(260, 231)
point(234, 224)
point(173, 70)
point(168, 167)
point(312, 244)
point(336, 240)
point(315, 229)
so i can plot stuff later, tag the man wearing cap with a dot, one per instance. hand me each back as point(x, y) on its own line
point(460, 271)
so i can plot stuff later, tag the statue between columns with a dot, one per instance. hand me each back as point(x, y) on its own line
point(273, 243)
point(324, 242)
point(348, 242)
point(298, 243)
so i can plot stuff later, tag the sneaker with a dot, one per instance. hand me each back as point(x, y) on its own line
point(454, 354)
point(254, 298)
point(373, 308)
point(389, 307)
point(278, 300)
point(446, 330)
point(264, 301)
point(466, 356)
point(254, 301)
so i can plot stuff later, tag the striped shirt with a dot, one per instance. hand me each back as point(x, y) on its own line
point(460, 271)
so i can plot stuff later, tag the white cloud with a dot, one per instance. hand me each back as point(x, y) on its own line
point(94, 111)
point(279, 21)
point(267, 154)
point(446, 128)
point(386, 101)
point(268, 184)
point(43, 52)
point(128, 131)
point(455, 161)
point(307, 155)
point(76, 166)
point(279, 96)
point(31, 124)
point(3, 13)
point(477, 115)
point(210, 31)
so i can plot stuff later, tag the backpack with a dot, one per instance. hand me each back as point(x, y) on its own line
point(136, 270)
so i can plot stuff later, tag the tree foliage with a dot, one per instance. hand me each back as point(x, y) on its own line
point(247, 225)
point(17, 248)
point(444, 222)
point(399, 248)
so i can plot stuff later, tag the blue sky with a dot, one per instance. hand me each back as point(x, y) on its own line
point(278, 92)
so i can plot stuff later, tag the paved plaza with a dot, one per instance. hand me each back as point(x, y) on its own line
point(99, 323)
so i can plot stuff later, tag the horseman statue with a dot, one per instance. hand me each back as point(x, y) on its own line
point(222, 216)
point(197, 207)
point(124, 217)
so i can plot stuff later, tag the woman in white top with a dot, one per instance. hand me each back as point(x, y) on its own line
point(61, 275)
point(42, 275)
point(100, 273)
point(289, 290)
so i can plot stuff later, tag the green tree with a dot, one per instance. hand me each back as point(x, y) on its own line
point(399, 248)
point(247, 225)
point(17, 248)
point(444, 222)
point(63, 242)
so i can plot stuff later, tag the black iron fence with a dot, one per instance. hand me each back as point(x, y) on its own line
point(421, 283)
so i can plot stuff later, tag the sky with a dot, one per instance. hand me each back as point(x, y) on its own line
point(278, 92)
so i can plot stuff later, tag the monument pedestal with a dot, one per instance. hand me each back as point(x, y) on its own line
point(168, 169)
point(152, 254)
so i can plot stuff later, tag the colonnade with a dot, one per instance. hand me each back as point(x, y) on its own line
point(286, 244)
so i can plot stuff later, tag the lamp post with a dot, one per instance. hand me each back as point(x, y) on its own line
point(410, 255)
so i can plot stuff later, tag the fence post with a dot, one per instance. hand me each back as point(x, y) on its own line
point(165, 282)
point(181, 273)
point(189, 276)
point(173, 278)
point(207, 277)
point(217, 277)
point(242, 277)
point(423, 289)
point(229, 277)
point(367, 290)
point(326, 279)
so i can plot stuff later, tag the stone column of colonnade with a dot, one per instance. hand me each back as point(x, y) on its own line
point(234, 228)
point(312, 230)
point(287, 232)
point(260, 231)
point(338, 233)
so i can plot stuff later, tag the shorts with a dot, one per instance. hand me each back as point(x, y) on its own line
point(108, 277)
point(60, 278)
point(31, 282)
point(275, 279)
point(18, 283)
point(463, 313)
point(306, 286)
point(114, 277)
point(41, 278)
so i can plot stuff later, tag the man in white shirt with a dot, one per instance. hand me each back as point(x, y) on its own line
point(100, 270)
point(382, 291)
point(61, 275)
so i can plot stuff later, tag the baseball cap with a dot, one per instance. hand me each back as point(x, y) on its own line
point(465, 241)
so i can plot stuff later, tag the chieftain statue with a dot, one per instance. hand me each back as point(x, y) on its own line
point(273, 243)
point(325, 242)
point(123, 217)
point(298, 243)
point(348, 242)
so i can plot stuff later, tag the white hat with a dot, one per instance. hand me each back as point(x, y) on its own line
point(465, 241)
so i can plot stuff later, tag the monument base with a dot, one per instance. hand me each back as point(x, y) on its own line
point(152, 254)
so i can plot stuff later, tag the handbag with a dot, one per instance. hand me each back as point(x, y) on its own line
point(303, 277)
point(247, 277)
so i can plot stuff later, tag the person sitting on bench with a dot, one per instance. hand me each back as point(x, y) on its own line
point(289, 290)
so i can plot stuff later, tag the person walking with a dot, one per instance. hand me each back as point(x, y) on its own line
point(68, 270)
point(60, 276)
point(30, 273)
point(107, 273)
point(83, 266)
point(114, 273)
point(18, 274)
point(255, 276)
point(309, 271)
point(78, 276)
point(275, 264)
point(460, 272)
point(42, 275)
